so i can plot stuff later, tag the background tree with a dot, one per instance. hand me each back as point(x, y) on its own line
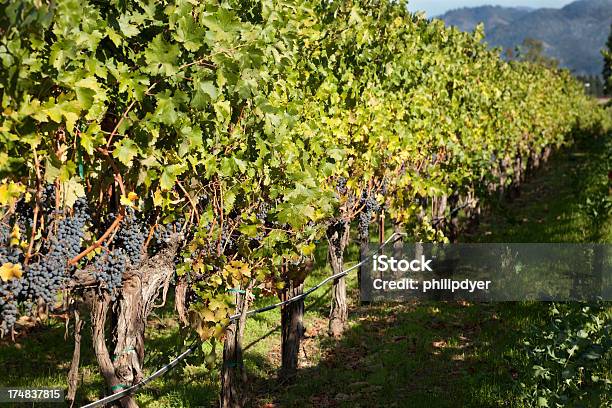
point(532, 50)
point(607, 69)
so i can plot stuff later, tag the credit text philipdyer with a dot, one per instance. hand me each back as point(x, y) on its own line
point(383, 263)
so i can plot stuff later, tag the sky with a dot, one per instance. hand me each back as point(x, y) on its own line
point(436, 7)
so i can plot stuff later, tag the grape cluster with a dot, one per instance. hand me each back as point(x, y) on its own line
point(46, 276)
point(48, 198)
point(228, 242)
point(42, 279)
point(24, 215)
point(131, 236)
point(71, 230)
point(109, 269)
point(369, 207)
point(384, 186)
point(10, 290)
point(8, 253)
point(8, 312)
point(262, 211)
point(9, 294)
point(341, 185)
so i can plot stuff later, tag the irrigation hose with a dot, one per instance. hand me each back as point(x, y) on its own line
point(195, 344)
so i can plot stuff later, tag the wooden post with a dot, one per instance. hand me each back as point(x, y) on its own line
point(233, 373)
point(292, 324)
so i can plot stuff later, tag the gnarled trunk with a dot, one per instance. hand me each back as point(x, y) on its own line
point(397, 243)
point(338, 236)
point(364, 245)
point(73, 374)
point(142, 286)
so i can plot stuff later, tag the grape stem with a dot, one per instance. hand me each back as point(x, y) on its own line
point(149, 237)
point(118, 177)
point(99, 242)
point(193, 205)
point(124, 115)
point(36, 207)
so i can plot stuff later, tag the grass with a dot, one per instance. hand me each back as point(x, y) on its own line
point(428, 354)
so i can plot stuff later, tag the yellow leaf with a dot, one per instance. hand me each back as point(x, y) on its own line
point(307, 249)
point(9, 271)
point(220, 314)
point(15, 235)
point(219, 330)
point(126, 201)
point(208, 315)
point(10, 192)
point(158, 200)
point(215, 304)
point(132, 196)
point(204, 332)
point(215, 280)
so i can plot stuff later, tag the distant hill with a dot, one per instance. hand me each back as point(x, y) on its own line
point(574, 34)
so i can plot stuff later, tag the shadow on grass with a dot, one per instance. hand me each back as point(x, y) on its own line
point(421, 355)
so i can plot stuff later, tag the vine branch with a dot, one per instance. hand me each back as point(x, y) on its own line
point(99, 242)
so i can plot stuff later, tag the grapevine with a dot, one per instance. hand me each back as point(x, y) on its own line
point(212, 144)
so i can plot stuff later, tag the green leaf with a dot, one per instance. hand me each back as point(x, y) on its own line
point(85, 96)
point(69, 110)
point(161, 57)
point(193, 135)
point(91, 138)
point(166, 109)
point(189, 33)
point(125, 151)
point(250, 230)
point(223, 110)
point(241, 164)
point(169, 175)
point(209, 89)
point(73, 189)
point(127, 28)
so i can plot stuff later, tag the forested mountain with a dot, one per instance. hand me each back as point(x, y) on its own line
point(574, 34)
